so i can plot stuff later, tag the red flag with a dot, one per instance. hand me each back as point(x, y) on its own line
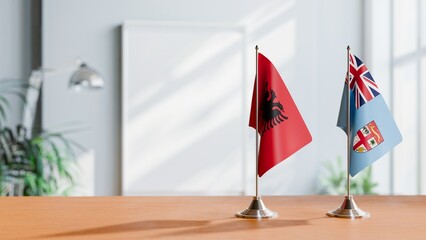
point(281, 127)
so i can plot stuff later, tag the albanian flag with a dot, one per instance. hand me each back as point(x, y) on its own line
point(281, 127)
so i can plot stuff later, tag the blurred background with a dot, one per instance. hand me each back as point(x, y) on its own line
point(171, 117)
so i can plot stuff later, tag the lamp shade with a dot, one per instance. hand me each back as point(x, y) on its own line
point(86, 77)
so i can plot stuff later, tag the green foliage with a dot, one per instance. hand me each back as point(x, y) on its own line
point(43, 164)
point(334, 181)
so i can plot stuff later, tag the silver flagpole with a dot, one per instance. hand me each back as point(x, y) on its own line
point(348, 123)
point(257, 208)
point(257, 121)
point(348, 209)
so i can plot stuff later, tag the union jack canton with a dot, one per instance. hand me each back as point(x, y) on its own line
point(361, 82)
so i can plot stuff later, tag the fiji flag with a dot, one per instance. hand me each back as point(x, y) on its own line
point(373, 130)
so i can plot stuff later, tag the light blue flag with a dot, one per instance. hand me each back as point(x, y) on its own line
point(372, 128)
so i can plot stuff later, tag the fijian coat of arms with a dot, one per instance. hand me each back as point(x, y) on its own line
point(367, 138)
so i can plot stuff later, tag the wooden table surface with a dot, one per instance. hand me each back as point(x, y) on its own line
point(300, 217)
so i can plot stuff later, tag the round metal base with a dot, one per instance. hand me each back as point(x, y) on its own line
point(257, 209)
point(348, 209)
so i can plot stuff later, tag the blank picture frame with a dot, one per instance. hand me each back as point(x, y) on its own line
point(183, 109)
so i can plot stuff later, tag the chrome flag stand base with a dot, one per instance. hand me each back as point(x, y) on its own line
point(348, 209)
point(257, 209)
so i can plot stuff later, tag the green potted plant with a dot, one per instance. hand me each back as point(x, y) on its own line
point(334, 180)
point(40, 164)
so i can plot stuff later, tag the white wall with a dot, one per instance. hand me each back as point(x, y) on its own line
point(15, 47)
point(313, 36)
point(396, 50)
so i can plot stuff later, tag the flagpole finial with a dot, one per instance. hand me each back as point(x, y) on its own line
point(349, 48)
point(257, 47)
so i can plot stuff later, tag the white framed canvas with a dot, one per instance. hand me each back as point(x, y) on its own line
point(183, 117)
